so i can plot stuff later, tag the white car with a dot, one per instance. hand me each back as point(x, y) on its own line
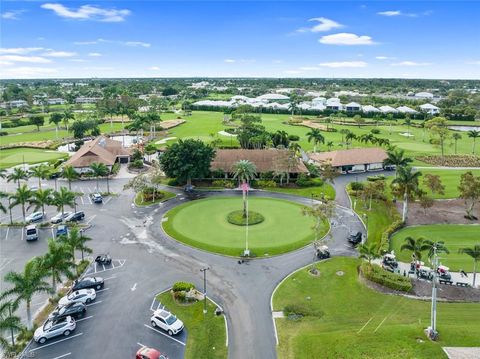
point(84, 296)
point(59, 217)
point(167, 321)
point(52, 329)
point(35, 216)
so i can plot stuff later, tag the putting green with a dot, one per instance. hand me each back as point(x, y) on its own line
point(204, 224)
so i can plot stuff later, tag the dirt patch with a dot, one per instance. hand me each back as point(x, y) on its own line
point(168, 124)
point(311, 124)
point(450, 211)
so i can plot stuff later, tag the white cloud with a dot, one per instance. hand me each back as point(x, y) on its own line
point(411, 63)
point(309, 68)
point(94, 54)
point(59, 54)
point(27, 72)
point(5, 63)
point(229, 61)
point(78, 60)
point(88, 12)
point(20, 58)
point(12, 14)
point(292, 72)
point(137, 43)
point(473, 62)
point(343, 64)
point(384, 57)
point(154, 68)
point(104, 41)
point(278, 61)
point(390, 13)
point(323, 24)
point(19, 50)
point(345, 38)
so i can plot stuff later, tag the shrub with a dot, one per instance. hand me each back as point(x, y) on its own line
point(182, 286)
point(305, 181)
point(173, 182)
point(356, 186)
point(267, 175)
point(375, 131)
point(180, 296)
point(136, 164)
point(376, 178)
point(300, 309)
point(237, 218)
point(266, 183)
point(3, 133)
point(293, 138)
point(377, 274)
point(393, 227)
point(115, 168)
point(82, 266)
point(223, 183)
point(230, 130)
point(148, 194)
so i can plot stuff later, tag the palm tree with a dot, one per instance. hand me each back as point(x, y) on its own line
point(473, 134)
point(408, 123)
point(41, 198)
point(17, 174)
point(69, 174)
point(56, 118)
point(369, 252)
point(41, 172)
point(75, 240)
point(456, 136)
point(344, 132)
point(63, 198)
point(245, 171)
point(407, 182)
point(316, 136)
point(397, 158)
point(417, 247)
point(2, 207)
point(25, 285)
point(473, 252)
point(8, 322)
point(350, 136)
point(99, 170)
point(67, 116)
point(330, 145)
point(57, 262)
point(21, 196)
point(438, 247)
point(295, 147)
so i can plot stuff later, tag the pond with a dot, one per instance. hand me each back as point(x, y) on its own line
point(464, 128)
point(128, 141)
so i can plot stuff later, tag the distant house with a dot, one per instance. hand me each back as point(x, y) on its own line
point(407, 110)
point(87, 99)
point(387, 109)
point(268, 160)
point(430, 109)
point(273, 97)
point(370, 109)
point(334, 104)
point(353, 160)
point(319, 101)
point(353, 107)
point(101, 150)
point(17, 103)
point(426, 95)
point(56, 101)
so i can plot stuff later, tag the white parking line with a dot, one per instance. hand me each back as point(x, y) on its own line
point(89, 199)
point(58, 341)
point(101, 290)
point(81, 199)
point(53, 234)
point(166, 335)
point(151, 305)
point(103, 265)
point(95, 267)
point(23, 232)
point(143, 346)
point(6, 234)
point(91, 219)
point(7, 262)
point(79, 320)
point(112, 277)
point(63, 356)
point(107, 200)
point(98, 302)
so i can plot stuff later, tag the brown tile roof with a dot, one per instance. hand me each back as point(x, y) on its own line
point(102, 149)
point(355, 156)
point(264, 160)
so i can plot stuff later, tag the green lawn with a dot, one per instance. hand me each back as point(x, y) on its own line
point(14, 156)
point(336, 308)
point(326, 189)
point(166, 196)
point(206, 333)
point(203, 224)
point(455, 236)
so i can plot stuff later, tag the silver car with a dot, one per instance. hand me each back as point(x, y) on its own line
point(35, 216)
point(52, 329)
point(60, 217)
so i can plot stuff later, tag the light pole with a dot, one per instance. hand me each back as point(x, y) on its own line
point(11, 329)
point(204, 270)
point(365, 217)
point(432, 332)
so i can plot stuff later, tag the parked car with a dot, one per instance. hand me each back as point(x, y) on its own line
point(88, 282)
point(355, 239)
point(149, 353)
point(62, 230)
point(167, 321)
point(73, 309)
point(103, 259)
point(75, 217)
point(34, 217)
point(97, 198)
point(84, 296)
point(34, 188)
point(31, 232)
point(52, 329)
point(59, 217)
point(323, 252)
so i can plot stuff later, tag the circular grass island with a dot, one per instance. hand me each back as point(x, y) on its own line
point(204, 224)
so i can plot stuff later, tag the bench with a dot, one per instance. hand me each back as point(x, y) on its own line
point(447, 282)
point(462, 284)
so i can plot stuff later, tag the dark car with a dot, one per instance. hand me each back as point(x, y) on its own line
point(75, 217)
point(87, 283)
point(355, 239)
point(103, 259)
point(74, 309)
point(323, 252)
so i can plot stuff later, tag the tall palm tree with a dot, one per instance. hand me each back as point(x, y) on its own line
point(2, 207)
point(56, 118)
point(3, 173)
point(330, 145)
point(244, 171)
point(343, 132)
point(407, 183)
point(63, 198)
point(397, 158)
point(369, 252)
point(17, 175)
point(67, 116)
point(70, 175)
point(350, 136)
point(8, 322)
point(417, 247)
point(473, 252)
point(99, 170)
point(473, 134)
point(456, 136)
point(21, 196)
point(41, 198)
point(41, 172)
point(25, 285)
point(295, 147)
point(57, 261)
point(316, 136)
point(75, 240)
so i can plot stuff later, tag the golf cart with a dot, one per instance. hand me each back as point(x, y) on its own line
point(103, 259)
point(323, 252)
point(444, 273)
point(425, 272)
point(355, 239)
point(417, 264)
point(389, 262)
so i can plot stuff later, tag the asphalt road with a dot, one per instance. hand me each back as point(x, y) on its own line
point(148, 261)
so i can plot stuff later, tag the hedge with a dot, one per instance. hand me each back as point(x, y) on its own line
point(182, 286)
point(377, 274)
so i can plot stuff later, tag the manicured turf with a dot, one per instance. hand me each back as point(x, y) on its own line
point(338, 307)
point(203, 224)
point(326, 189)
point(14, 156)
point(166, 196)
point(455, 236)
point(206, 332)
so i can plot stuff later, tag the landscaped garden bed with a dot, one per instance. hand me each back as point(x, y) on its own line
point(451, 160)
point(151, 196)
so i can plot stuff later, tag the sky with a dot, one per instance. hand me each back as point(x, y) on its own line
point(378, 39)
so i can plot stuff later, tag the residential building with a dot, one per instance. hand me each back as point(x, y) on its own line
point(353, 107)
point(387, 109)
point(370, 108)
point(430, 109)
point(406, 110)
point(87, 99)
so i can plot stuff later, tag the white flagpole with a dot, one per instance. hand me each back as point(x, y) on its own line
point(246, 232)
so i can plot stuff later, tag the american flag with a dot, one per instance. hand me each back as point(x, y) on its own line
point(244, 187)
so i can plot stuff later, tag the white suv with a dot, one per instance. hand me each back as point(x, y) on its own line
point(84, 296)
point(166, 321)
point(52, 329)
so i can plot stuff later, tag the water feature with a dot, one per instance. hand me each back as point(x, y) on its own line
point(464, 128)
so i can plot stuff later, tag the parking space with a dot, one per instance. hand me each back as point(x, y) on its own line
point(97, 268)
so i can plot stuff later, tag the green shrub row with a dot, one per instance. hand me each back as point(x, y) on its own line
point(377, 274)
point(302, 309)
point(393, 227)
point(223, 183)
point(266, 183)
point(182, 286)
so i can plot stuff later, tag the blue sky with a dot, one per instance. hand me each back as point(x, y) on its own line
point(430, 39)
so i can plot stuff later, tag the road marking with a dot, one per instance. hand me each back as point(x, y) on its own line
point(112, 277)
point(7, 262)
point(103, 265)
point(95, 265)
point(63, 356)
point(166, 335)
point(58, 341)
point(23, 232)
point(98, 302)
point(6, 234)
point(53, 234)
point(107, 200)
point(101, 290)
point(384, 319)
point(143, 346)
point(134, 287)
point(79, 320)
point(91, 219)
point(151, 305)
point(365, 325)
point(81, 199)
point(89, 199)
